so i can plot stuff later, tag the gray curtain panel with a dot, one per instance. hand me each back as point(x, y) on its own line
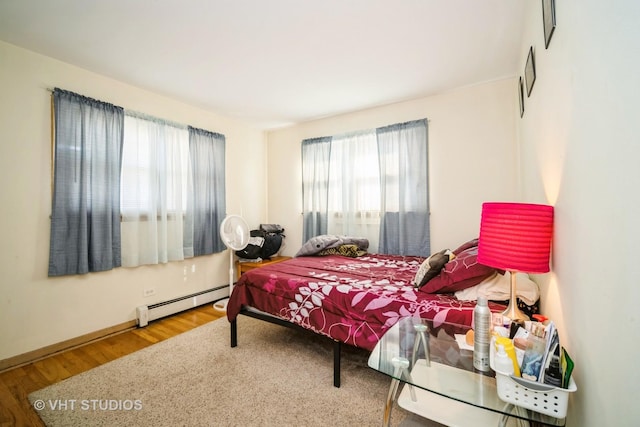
point(85, 218)
point(206, 203)
point(316, 153)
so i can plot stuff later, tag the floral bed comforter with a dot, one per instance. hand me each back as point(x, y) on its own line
point(352, 300)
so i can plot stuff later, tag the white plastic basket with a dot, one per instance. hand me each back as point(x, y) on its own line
point(533, 395)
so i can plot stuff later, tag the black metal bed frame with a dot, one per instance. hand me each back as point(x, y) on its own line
point(337, 345)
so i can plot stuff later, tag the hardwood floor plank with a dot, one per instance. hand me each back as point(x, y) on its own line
point(12, 377)
point(150, 334)
point(16, 384)
point(16, 409)
point(163, 332)
point(77, 363)
point(52, 368)
point(144, 334)
point(10, 408)
point(93, 354)
point(34, 379)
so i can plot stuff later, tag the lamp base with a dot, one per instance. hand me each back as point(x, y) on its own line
point(513, 312)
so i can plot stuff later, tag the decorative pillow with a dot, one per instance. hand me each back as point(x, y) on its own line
point(432, 266)
point(462, 272)
point(352, 251)
point(314, 245)
point(463, 247)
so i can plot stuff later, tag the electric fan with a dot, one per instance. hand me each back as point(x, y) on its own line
point(234, 233)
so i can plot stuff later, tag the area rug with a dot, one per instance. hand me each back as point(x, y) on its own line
point(275, 376)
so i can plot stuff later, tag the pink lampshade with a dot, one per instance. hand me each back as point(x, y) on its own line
point(516, 236)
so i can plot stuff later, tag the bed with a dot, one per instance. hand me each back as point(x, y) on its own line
point(355, 299)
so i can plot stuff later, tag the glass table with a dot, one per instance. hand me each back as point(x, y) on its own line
point(435, 365)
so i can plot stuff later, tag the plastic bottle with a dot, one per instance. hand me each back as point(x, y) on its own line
point(481, 335)
point(502, 362)
point(552, 374)
point(510, 351)
point(533, 355)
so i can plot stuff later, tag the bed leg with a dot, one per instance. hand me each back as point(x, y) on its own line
point(337, 346)
point(234, 333)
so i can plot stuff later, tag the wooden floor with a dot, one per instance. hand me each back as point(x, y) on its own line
point(16, 384)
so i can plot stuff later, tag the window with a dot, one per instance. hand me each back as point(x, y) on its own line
point(130, 189)
point(155, 171)
point(354, 209)
point(369, 184)
point(153, 152)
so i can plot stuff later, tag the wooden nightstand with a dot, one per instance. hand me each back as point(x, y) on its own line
point(243, 267)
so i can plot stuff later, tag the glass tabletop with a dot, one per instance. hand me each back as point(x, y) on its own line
point(434, 356)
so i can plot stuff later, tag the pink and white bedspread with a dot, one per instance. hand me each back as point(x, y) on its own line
point(352, 300)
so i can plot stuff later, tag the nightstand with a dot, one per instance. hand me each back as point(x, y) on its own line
point(439, 382)
point(243, 267)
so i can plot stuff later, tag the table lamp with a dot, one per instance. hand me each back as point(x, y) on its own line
point(515, 237)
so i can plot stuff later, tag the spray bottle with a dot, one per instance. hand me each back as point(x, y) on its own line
point(481, 335)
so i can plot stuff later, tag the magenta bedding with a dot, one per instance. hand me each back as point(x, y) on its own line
point(352, 300)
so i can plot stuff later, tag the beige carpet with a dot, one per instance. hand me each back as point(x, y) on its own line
point(276, 376)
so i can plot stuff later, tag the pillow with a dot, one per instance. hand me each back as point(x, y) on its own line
point(498, 288)
point(314, 245)
point(432, 266)
point(352, 251)
point(318, 243)
point(463, 247)
point(462, 272)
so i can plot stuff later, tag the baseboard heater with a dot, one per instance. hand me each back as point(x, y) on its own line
point(147, 313)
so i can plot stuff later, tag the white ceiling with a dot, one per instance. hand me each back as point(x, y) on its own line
point(277, 62)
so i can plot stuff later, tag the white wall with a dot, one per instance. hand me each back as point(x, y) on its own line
point(36, 311)
point(577, 148)
point(472, 158)
point(580, 152)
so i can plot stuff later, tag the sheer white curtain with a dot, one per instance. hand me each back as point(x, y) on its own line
point(155, 169)
point(354, 187)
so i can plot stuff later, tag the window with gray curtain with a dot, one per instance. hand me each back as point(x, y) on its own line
point(172, 188)
point(85, 217)
point(371, 183)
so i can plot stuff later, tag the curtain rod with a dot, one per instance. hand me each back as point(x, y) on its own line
point(49, 89)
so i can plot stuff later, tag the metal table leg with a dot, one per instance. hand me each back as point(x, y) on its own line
point(504, 419)
point(421, 336)
point(401, 366)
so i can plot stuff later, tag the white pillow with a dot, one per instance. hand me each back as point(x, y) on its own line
point(498, 288)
